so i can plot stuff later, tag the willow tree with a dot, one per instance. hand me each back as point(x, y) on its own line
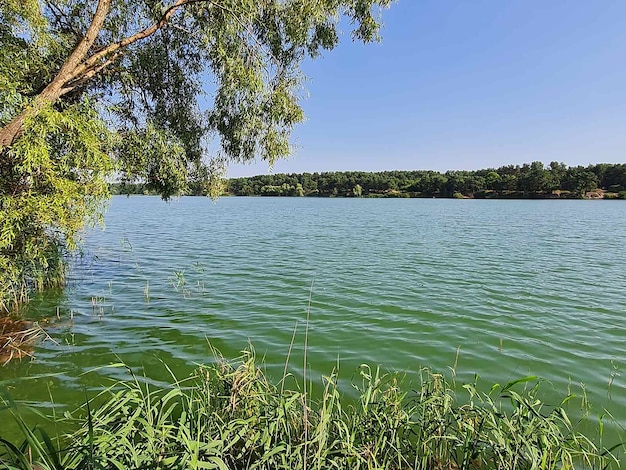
point(94, 88)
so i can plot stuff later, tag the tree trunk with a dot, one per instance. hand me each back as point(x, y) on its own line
point(54, 90)
point(15, 127)
point(79, 68)
point(9, 132)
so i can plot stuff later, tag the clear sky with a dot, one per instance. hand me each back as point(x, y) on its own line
point(460, 84)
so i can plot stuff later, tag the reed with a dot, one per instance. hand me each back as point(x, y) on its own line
point(230, 415)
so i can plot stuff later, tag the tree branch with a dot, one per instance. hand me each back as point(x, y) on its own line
point(78, 54)
point(90, 73)
point(62, 20)
point(78, 68)
point(53, 91)
point(91, 61)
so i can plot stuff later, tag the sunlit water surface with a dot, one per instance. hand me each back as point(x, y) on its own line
point(501, 289)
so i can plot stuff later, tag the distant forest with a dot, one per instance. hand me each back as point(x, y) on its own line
point(533, 180)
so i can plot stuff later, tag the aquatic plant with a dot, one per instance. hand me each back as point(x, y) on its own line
point(230, 415)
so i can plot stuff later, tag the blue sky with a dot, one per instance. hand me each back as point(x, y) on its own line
point(459, 84)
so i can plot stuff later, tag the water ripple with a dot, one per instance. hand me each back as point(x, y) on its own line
point(502, 288)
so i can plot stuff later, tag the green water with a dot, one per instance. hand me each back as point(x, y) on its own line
point(512, 287)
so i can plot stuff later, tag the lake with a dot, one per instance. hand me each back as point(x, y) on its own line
point(502, 289)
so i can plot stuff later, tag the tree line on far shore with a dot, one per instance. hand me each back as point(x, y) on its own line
point(530, 180)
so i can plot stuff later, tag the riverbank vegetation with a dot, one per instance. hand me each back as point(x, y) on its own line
point(230, 415)
point(533, 180)
point(528, 181)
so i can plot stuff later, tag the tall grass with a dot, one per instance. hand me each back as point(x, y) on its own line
point(229, 415)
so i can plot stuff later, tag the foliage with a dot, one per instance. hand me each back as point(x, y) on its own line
point(526, 181)
point(97, 89)
point(52, 183)
point(231, 416)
